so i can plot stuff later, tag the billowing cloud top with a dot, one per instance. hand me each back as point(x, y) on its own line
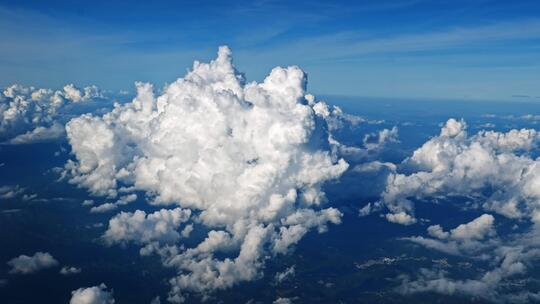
point(249, 159)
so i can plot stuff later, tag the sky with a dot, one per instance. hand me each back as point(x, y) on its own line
point(486, 50)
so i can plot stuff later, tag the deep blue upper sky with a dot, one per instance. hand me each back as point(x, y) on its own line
point(403, 48)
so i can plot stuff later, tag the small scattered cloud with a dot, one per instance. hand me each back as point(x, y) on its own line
point(92, 295)
point(24, 264)
point(70, 270)
point(39, 134)
point(7, 192)
point(286, 274)
point(124, 200)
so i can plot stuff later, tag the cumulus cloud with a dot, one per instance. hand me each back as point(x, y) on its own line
point(400, 218)
point(287, 273)
point(7, 191)
point(283, 301)
point(464, 239)
point(373, 143)
point(87, 202)
point(69, 270)
point(477, 240)
point(334, 115)
point(160, 226)
point(24, 264)
point(29, 114)
point(124, 200)
point(39, 134)
point(496, 172)
point(92, 295)
point(248, 159)
point(76, 95)
point(374, 166)
point(493, 168)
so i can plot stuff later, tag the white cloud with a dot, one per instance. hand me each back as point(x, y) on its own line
point(7, 192)
point(103, 208)
point(478, 229)
point(28, 114)
point(250, 159)
point(124, 200)
point(507, 259)
point(87, 202)
point(496, 172)
point(334, 115)
point(373, 143)
point(283, 301)
point(39, 134)
point(24, 264)
point(493, 168)
point(287, 273)
point(144, 228)
point(465, 239)
point(70, 270)
point(374, 166)
point(92, 295)
point(400, 218)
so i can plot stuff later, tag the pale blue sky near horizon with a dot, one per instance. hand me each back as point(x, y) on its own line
point(481, 49)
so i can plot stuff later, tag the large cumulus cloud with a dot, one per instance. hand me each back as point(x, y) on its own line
point(248, 159)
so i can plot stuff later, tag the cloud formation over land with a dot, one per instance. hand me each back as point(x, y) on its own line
point(509, 258)
point(245, 160)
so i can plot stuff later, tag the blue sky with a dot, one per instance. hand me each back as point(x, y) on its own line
point(404, 49)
